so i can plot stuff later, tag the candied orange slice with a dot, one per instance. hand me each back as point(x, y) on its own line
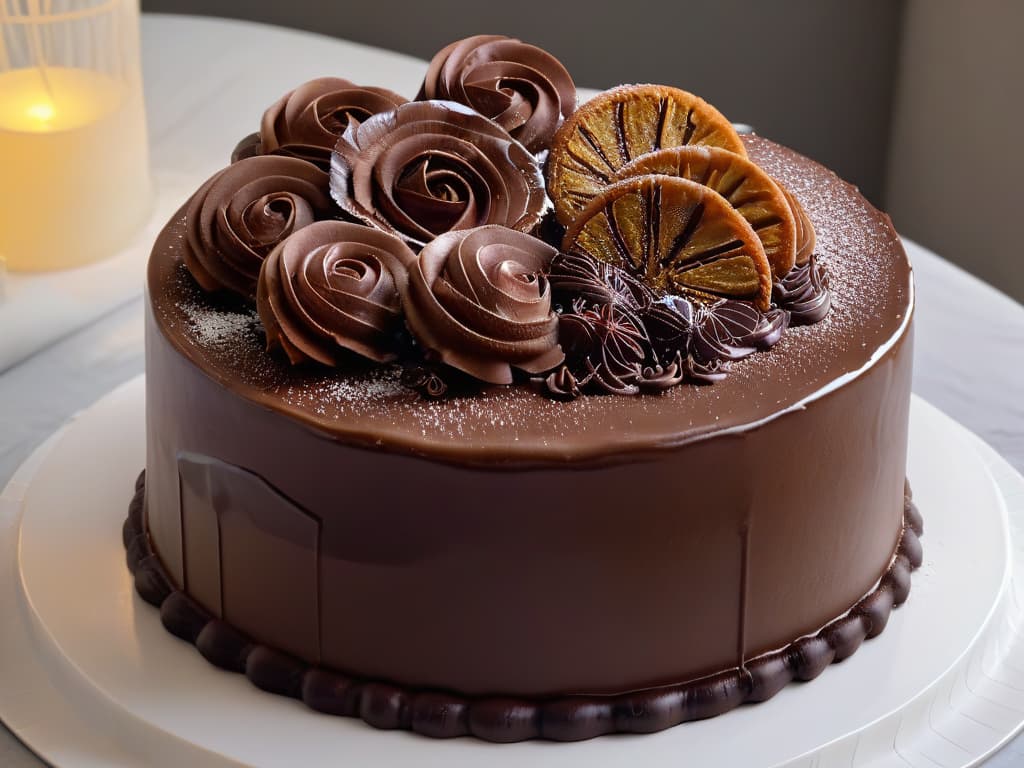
point(805, 237)
point(751, 191)
point(676, 236)
point(618, 126)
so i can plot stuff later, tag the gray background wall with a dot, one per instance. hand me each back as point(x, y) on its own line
point(915, 101)
point(814, 74)
point(956, 173)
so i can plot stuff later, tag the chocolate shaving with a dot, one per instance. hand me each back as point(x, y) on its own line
point(563, 384)
point(657, 378)
point(424, 379)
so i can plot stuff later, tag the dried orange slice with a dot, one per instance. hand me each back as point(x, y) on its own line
point(751, 191)
point(619, 125)
point(805, 237)
point(677, 236)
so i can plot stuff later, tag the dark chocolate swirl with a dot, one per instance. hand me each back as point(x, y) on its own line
point(477, 300)
point(732, 330)
point(430, 167)
point(333, 288)
point(605, 346)
point(576, 276)
point(521, 87)
point(619, 339)
point(804, 293)
point(563, 384)
point(241, 214)
point(306, 122)
point(670, 325)
point(707, 334)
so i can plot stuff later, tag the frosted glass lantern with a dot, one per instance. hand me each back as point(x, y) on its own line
point(74, 165)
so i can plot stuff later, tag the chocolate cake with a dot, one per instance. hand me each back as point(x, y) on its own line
point(427, 450)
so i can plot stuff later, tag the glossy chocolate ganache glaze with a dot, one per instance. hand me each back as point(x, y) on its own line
point(520, 484)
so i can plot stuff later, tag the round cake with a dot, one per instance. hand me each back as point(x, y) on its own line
point(535, 536)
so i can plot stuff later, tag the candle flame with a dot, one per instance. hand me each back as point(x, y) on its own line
point(42, 111)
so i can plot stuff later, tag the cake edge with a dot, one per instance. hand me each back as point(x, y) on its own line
point(444, 714)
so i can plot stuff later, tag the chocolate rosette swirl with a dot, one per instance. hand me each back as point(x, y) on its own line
point(605, 346)
point(241, 214)
point(576, 276)
point(733, 330)
point(804, 292)
point(723, 331)
point(331, 289)
point(306, 122)
point(430, 167)
point(521, 87)
point(477, 300)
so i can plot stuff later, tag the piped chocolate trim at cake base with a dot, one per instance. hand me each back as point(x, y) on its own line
point(442, 714)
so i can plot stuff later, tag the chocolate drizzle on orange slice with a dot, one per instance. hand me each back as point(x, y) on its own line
point(675, 235)
point(751, 191)
point(620, 125)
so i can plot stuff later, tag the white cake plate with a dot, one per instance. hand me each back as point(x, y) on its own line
point(90, 677)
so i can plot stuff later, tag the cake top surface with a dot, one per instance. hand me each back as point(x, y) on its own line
point(367, 404)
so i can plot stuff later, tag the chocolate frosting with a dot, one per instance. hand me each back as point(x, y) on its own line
point(433, 166)
point(332, 288)
point(307, 121)
point(804, 292)
point(523, 88)
point(242, 212)
point(477, 300)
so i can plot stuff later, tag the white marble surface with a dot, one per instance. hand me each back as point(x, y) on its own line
point(206, 84)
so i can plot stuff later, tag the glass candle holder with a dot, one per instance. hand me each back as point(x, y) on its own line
point(74, 164)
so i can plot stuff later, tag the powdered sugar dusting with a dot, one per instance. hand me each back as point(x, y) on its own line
point(217, 328)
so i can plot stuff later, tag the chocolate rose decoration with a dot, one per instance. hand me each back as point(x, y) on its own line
point(477, 300)
point(433, 166)
point(521, 87)
point(241, 213)
point(306, 123)
point(333, 288)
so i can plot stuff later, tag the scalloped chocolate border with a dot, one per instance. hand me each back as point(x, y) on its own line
point(443, 714)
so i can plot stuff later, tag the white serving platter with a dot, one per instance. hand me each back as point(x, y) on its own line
point(90, 677)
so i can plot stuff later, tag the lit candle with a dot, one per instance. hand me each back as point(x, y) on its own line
point(74, 179)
